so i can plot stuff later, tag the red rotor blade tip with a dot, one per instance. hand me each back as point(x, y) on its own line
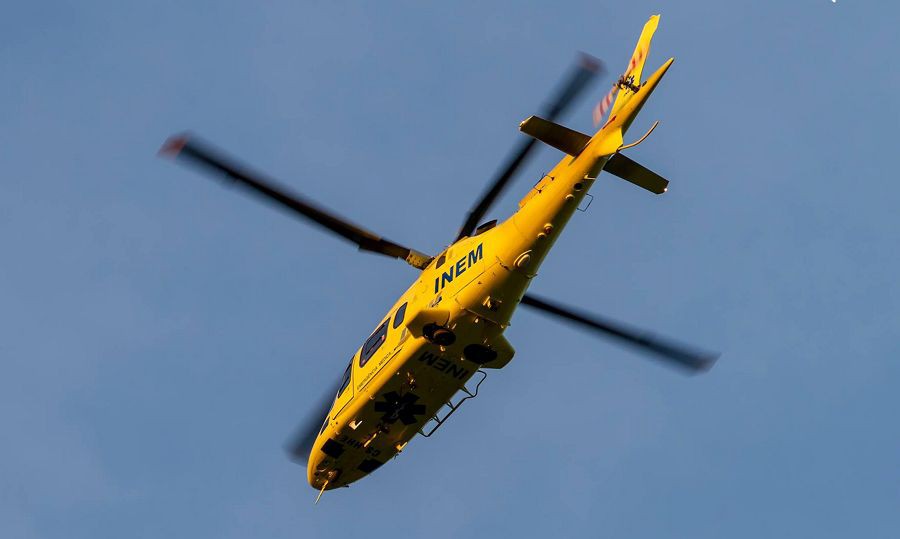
point(173, 146)
point(590, 62)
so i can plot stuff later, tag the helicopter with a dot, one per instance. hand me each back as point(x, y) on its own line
point(446, 331)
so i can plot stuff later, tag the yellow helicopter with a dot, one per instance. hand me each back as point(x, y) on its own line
point(436, 342)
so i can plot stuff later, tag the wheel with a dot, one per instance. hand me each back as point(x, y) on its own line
point(480, 354)
point(439, 335)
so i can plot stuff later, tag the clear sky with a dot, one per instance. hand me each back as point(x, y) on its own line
point(162, 336)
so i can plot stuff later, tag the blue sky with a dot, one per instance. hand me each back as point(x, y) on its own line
point(162, 336)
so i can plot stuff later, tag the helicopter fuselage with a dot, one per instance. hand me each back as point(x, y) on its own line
point(449, 325)
point(470, 292)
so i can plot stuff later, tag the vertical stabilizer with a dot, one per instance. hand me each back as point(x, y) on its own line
point(631, 79)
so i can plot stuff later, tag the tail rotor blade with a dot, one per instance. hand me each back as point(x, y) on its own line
point(676, 354)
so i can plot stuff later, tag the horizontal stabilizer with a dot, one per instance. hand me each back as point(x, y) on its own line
point(635, 173)
point(562, 138)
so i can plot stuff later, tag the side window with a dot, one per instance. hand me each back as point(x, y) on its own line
point(398, 316)
point(345, 380)
point(373, 343)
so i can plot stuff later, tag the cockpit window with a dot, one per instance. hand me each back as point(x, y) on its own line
point(345, 380)
point(398, 316)
point(373, 343)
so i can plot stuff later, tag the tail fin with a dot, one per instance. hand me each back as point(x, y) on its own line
point(631, 79)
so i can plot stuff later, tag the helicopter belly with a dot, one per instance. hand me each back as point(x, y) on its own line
point(389, 411)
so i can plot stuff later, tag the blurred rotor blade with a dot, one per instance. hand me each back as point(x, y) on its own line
point(305, 436)
point(682, 356)
point(588, 67)
point(183, 147)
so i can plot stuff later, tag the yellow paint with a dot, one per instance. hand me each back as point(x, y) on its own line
point(476, 305)
point(638, 59)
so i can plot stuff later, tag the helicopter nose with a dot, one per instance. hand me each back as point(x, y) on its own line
point(321, 469)
point(314, 470)
point(324, 478)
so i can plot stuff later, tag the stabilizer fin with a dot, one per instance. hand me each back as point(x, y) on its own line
point(633, 172)
point(635, 67)
point(562, 138)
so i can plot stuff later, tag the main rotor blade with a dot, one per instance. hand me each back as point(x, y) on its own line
point(197, 153)
point(682, 356)
point(583, 73)
point(305, 436)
